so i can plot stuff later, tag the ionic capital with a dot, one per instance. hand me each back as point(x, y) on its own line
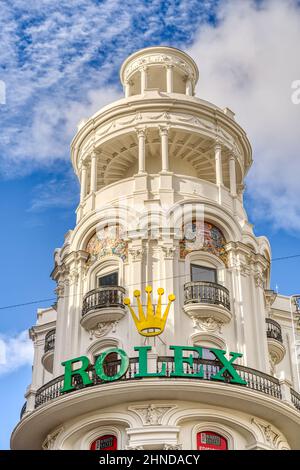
point(164, 130)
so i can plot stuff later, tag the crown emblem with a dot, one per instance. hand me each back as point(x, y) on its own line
point(153, 322)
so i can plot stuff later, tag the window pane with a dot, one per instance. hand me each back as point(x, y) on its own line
point(202, 273)
point(208, 440)
point(107, 442)
point(109, 279)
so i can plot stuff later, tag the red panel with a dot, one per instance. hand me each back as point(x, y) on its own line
point(207, 440)
point(107, 442)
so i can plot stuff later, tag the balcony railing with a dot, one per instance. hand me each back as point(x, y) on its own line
point(204, 292)
point(23, 409)
point(52, 389)
point(49, 341)
point(295, 397)
point(103, 297)
point(273, 330)
point(255, 379)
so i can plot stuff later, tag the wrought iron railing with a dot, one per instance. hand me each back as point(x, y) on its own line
point(23, 409)
point(53, 389)
point(49, 341)
point(255, 379)
point(273, 329)
point(295, 397)
point(206, 293)
point(106, 296)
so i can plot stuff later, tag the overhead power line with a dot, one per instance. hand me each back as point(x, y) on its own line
point(52, 299)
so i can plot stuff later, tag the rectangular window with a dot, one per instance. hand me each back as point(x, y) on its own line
point(202, 273)
point(108, 280)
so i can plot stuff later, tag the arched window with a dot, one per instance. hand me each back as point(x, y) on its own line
point(208, 440)
point(105, 442)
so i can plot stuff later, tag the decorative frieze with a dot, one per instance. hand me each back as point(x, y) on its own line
point(159, 58)
point(151, 415)
point(172, 447)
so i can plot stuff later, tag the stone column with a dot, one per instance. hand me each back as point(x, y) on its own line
point(127, 89)
point(164, 149)
point(141, 133)
point(143, 79)
point(93, 172)
point(83, 181)
point(232, 176)
point(188, 87)
point(218, 161)
point(169, 78)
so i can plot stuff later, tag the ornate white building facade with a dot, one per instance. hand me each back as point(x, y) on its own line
point(161, 204)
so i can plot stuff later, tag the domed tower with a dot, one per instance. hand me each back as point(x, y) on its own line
point(165, 334)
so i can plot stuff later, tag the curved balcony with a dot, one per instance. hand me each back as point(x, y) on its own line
point(275, 342)
point(255, 379)
point(295, 397)
point(47, 359)
point(204, 299)
point(261, 397)
point(104, 304)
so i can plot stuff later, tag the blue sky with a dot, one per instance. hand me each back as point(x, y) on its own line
point(60, 63)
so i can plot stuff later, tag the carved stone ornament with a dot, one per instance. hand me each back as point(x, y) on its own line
point(169, 251)
point(172, 447)
point(74, 275)
point(143, 118)
point(155, 58)
point(49, 442)
point(103, 328)
point(259, 280)
point(207, 324)
point(271, 436)
point(60, 289)
point(270, 296)
point(134, 448)
point(137, 253)
point(245, 269)
point(151, 415)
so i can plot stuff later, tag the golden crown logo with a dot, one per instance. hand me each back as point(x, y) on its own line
point(153, 323)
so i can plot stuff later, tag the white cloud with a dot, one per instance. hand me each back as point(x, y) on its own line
point(59, 192)
point(248, 62)
point(15, 352)
point(60, 63)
